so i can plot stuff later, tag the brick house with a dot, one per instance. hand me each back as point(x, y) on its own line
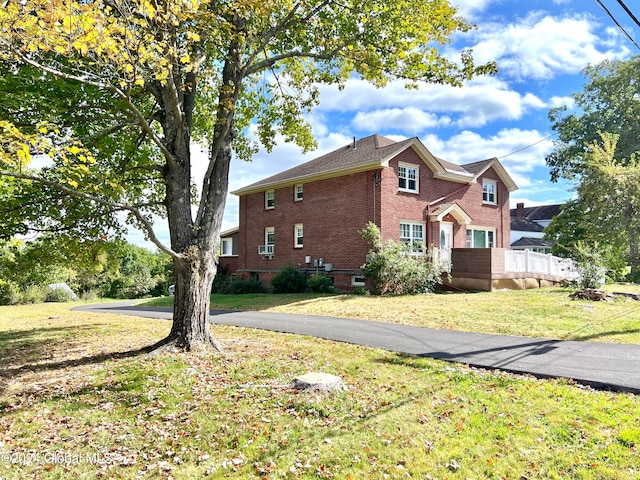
point(311, 216)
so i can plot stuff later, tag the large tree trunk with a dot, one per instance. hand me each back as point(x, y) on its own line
point(196, 241)
point(193, 279)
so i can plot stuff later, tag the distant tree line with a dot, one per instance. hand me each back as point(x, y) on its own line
point(110, 269)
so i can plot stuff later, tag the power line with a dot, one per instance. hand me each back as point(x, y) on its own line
point(626, 9)
point(528, 146)
point(618, 24)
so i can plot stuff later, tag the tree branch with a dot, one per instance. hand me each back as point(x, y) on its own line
point(107, 86)
point(269, 62)
point(108, 203)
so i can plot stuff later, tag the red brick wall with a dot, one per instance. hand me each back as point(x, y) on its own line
point(333, 212)
point(399, 206)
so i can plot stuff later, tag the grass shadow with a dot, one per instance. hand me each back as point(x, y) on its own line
point(30, 351)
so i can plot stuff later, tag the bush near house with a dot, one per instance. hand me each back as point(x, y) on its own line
point(395, 269)
point(289, 280)
point(319, 283)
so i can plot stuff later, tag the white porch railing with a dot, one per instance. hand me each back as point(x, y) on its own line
point(533, 262)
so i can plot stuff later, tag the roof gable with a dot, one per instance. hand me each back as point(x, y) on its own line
point(452, 208)
point(371, 153)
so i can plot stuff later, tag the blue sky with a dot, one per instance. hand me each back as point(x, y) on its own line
point(541, 48)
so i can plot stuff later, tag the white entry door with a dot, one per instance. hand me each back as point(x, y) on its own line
point(446, 241)
point(446, 235)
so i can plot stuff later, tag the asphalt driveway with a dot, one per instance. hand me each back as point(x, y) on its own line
point(601, 365)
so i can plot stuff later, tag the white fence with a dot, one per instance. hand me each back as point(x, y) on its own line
point(532, 262)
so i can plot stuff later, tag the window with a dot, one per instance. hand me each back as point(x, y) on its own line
point(408, 178)
point(413, 234)
point(269, 199)
point(270, 236)
point(298, 233)
point(489, 188)
point(358, 281)
point(298, 192)
point(226, 247)
point(481, 238)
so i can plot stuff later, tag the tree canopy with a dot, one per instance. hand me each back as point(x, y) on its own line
point(609, 102)
point(114, 93)
point(598, 140)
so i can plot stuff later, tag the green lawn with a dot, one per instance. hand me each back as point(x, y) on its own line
point(78, 401)
point(545, 312)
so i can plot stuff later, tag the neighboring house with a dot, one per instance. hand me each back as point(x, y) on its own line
point(527, 227)
point(311, 216)
point(228, 258)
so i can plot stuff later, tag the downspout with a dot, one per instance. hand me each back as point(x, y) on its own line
point(376, 181)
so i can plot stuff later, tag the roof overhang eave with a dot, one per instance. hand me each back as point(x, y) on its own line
point(312, 177)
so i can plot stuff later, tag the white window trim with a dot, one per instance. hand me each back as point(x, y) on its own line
point(486, 235)
point(295, 192)
point(268, 230)
point(487, 181)
point(224, 241)
point(412, 239)
point(266, 200)
point(417, 179)
point(358, 281)
point(296, 237)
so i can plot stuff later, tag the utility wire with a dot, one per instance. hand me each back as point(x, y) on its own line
point(626, 9)
point(528, 146)
point(618, 24)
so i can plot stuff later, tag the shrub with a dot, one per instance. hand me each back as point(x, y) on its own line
point(395, 269)
point(319, 283)
point(240, 287)
point(222, 281)
point(590, 265)
point(33, 294)
point(361, 291)
point(57, 295)
point(289, 280)
point(9, 293)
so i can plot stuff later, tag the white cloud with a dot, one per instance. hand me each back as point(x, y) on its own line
point(469, 9)
point(408, 119)
point(521, 150)
point(556, 102)
point(543, 46)
point(479, 102)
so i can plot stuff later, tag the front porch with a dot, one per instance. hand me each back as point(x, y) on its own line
point(491, 269)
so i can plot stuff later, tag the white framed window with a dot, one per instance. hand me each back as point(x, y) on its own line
point(226, 247)
point(270, 236)
point(479, 237)
point(412, 233)
point(358, 281)
point(408, 178)
point(298, 236)
point(489, 192)
point(269, 199)
point(298, 192)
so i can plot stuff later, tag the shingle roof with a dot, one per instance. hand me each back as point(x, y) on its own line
point(541, 212)
point(372, 149)
point(364, 154)
point(477, 167)
point(532, 242)
point(525, 225)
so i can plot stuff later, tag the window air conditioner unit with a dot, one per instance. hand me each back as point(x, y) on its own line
point(265, 250)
